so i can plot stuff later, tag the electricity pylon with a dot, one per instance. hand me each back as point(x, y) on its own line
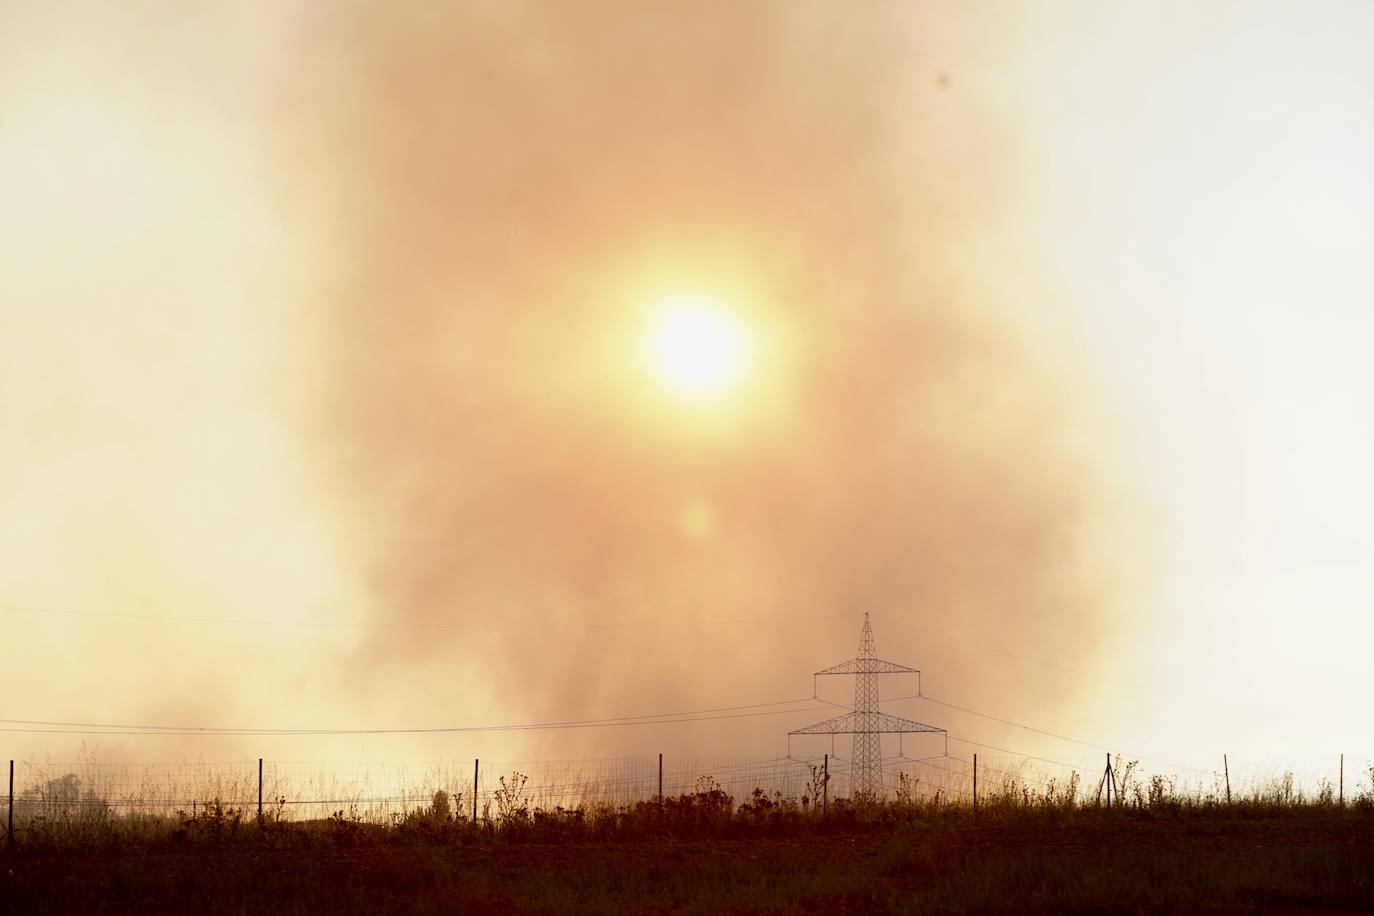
point(867, 723)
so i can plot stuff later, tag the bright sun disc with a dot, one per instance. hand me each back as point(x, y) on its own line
point(697, 348)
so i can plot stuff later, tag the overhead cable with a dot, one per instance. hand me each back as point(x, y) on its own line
point(462, 627)
point(38, 726)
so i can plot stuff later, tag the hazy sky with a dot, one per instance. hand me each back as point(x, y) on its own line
point(1052, 325)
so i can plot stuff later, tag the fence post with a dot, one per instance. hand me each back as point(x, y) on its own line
point(660, 780)
point(975, 782)
point(9, 829)
point(259, 793)
point(1342, 796)
point(475, 763)
point(1226, 768)
point(1109, 778)
point(825, 785)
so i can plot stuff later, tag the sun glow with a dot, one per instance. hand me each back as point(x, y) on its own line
point(697, 347)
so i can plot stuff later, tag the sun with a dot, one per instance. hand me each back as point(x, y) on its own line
point(697, 347)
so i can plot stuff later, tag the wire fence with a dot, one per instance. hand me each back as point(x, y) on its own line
point(382, 792)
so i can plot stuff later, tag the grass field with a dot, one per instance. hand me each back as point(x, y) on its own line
point(701, 852)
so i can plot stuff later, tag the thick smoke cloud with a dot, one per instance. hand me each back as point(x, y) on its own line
point(507, 184)
point(329, 313)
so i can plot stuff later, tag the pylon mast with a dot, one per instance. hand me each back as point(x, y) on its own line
point(867, 723)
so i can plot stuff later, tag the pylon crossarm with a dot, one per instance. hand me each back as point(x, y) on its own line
point(840, 725)
point(850, 724)
point(888, 723)
point(868, 666)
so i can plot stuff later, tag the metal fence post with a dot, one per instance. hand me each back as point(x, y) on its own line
point(660, 780)
point(9, 830)
point(475, 763)
point(825, 784)
point(259, 793)
point(975, 782)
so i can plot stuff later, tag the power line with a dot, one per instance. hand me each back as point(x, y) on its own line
point(1030, 728)
point(698, 715)
point(1005, 750)
point(998, 651)
point(201, 728)
point(464, 627)
point(1041, 731)
point(1048, 734)
point(917, 696)
point(37, 726)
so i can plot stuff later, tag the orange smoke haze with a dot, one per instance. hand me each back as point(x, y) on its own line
point(1042, 336)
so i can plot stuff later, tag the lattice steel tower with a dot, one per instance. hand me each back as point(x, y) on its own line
point(867, 723)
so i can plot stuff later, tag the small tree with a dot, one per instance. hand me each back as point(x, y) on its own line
point(441, 810)
point(63, 797)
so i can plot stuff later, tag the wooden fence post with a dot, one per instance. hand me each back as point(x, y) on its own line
point(975, 782)
point(825, 785)
point(1226, 768)
point(475, 763)
point(259, 793)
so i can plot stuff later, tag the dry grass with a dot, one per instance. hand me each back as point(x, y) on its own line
point(1051, 848)
point(65, 815)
